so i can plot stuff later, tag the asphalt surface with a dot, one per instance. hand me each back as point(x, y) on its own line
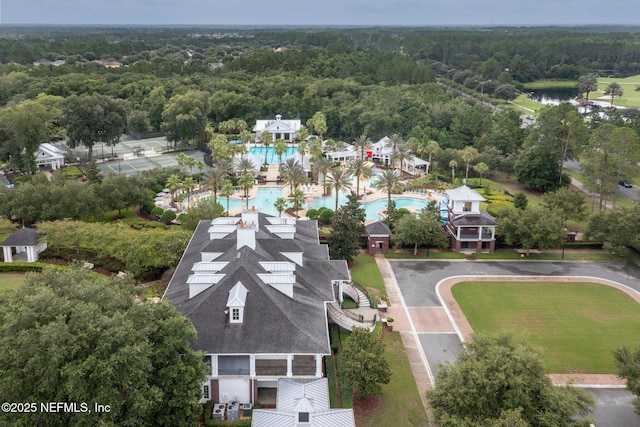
point(630, 193)
point(417, 281)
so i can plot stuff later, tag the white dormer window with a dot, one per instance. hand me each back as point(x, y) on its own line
point(236, 302)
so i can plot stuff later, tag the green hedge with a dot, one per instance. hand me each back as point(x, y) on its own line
point(22, 266)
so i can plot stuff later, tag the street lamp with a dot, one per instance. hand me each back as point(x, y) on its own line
point(482, 85)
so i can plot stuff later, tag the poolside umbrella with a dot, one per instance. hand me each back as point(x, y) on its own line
point(158, 199)
point(308, 201)
point(160, 194)
point(166, 190)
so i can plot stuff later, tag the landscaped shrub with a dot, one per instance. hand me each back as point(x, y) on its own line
point(313, 214)
point(21, 266)
point(157, 212)
point(148, 206)
point(326, 216)
point(168, 215)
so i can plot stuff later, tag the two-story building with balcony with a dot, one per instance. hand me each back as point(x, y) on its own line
point(469, 228)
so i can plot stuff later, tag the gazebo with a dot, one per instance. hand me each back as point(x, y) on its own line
point(25, 240)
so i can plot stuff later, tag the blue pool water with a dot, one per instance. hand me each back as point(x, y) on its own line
point(266, 197)
point(272, 157)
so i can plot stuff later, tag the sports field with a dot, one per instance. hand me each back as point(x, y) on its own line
point(575, 326)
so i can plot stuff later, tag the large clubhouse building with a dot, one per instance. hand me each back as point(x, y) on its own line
point(256, 289)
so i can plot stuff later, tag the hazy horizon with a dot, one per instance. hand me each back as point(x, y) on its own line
point(321, 13)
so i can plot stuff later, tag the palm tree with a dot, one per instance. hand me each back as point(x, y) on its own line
point(393, 142)
point(190, 162)
point(280, 148)
point(360, 168)
point(430, 148)
point(588, 83)
point(218, 179)
point(246, 182)
point(468, 154)
point(302, 149)
point(266, 138)
point(389, 182)
point(614, 90)
point(181, 159)
point(361, 143)
point(402, 154)
point(453, 165)
point(188, 185)
point(200, 165)
point(297, 200)
point(340, 180)
point(323, 166)
point(315, 149)
point(246, 137)
point(280, 205)
point(227, 191)
point(244, 166)
point(173, 184)
point(481, 168)
point(293, 174)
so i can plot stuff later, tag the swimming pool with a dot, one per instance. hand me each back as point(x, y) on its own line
point(266, 197)
point(272, 157)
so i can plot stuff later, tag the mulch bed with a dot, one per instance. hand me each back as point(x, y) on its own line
point(363, 405)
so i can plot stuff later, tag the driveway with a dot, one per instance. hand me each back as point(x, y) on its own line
point(427, 319)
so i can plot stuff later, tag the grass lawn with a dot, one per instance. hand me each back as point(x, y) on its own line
point(629, 98)
point(365, 272)
point(575, 326)
point(11, 281)
point(401, 404)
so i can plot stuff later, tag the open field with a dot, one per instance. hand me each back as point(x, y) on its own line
point(575, 326)
point(10, 281)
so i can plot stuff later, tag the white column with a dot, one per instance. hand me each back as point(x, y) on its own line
point(214, 365)
point(252, 365)
point(289, 365)
point(493, 233)
point(7, 254)
point(32, 256)
point(319, 365)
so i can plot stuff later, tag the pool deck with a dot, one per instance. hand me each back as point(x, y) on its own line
point(314, 191)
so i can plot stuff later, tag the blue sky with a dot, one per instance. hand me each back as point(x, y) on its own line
point(322, 12)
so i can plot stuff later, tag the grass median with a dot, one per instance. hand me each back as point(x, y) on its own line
point(576, 326)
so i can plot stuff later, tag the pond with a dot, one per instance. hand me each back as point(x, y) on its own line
point(554, 96)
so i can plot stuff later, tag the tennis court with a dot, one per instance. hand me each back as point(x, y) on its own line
point(132, 155)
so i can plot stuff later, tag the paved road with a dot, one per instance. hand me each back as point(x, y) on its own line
point(632, 193)
point(417, 281)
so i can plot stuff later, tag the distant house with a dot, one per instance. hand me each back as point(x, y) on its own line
point(50, 156)
point(469, 227)
point(44, 61)
point(24, 244)
point(279, 129)
point(108, 64)
point(381, 152)
point(303, 403)
point(257, 288)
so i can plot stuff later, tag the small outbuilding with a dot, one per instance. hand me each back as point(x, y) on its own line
point(23, 243)
point(378, 237)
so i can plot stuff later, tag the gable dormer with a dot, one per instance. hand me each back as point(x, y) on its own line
point(236, 303)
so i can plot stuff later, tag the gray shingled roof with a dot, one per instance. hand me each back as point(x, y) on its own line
point(273, 322)
point(22, 237)
point(473, 220)
point(378, 228)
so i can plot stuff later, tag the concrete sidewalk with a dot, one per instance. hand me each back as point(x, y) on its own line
point(403, 324)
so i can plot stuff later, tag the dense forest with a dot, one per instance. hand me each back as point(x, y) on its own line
point(192, 82)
